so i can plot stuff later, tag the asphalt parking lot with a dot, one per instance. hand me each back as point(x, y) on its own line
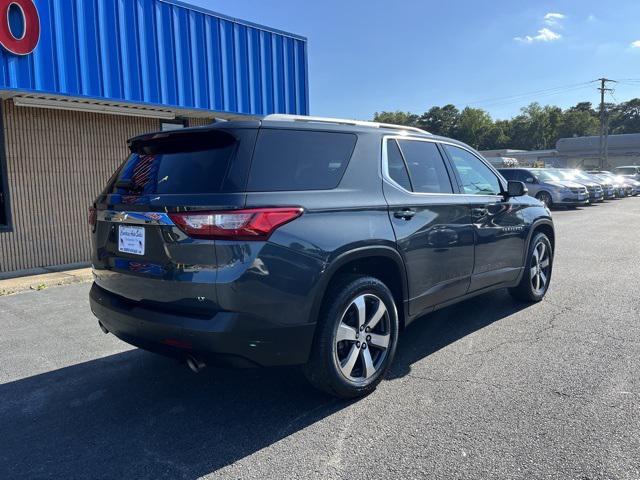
point(486, 389)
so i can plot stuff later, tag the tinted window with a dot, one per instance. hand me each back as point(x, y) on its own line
point(396, 165)
point(426, 167)
point(476, 177)
point(626, 170)
point(183, 164)
point(509, 173)
point(299, 160)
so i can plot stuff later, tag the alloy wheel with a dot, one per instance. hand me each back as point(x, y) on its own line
point(545, 198)
point(540, 266)
point(363, 338)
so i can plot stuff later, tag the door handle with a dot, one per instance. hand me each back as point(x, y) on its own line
point(406, 214)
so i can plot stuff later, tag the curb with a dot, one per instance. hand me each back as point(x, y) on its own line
point(44, 281)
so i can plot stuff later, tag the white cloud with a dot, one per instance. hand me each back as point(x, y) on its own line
point(544, 35)
point(635, 44)
point(552, 18)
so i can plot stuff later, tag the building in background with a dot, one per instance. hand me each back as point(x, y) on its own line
point(584, 152)
point(522, 158)
point(574, 152)
point(78, 78)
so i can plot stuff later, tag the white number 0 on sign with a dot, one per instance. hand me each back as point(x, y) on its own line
point(131, 240)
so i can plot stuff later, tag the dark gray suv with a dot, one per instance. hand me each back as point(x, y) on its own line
point(299, 240)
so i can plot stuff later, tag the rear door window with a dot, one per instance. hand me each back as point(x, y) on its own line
point(299, 160)
point(184, 164)
point(426, 167)
point(396, 166)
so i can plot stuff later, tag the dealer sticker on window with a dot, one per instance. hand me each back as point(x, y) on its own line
point(131, 240)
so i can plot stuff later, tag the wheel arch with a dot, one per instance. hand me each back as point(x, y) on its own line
point(384, 263)
point(545, 226)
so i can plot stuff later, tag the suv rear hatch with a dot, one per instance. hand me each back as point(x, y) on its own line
point(139, 228)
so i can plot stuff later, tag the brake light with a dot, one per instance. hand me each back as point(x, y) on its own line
point(249, 224)
point(93, 216)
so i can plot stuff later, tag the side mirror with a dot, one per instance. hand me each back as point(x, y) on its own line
point(516, 189)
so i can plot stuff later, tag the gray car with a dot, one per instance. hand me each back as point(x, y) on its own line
point(305, 241)
point(629, 171)
point(595, 189)
point(548, 186)
point(623, 185)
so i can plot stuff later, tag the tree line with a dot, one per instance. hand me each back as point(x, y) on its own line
point(537, 127)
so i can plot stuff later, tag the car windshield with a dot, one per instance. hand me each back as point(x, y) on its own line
point(581, 175)
point(546, 176)
point(565, 174)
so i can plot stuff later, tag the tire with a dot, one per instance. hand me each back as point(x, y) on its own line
point(360, 352)
point(533, 287)
point(545, 198)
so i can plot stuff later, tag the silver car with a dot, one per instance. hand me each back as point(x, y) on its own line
point(623, 185)
point(629, 171)
point(548, 186)
point(595, 189)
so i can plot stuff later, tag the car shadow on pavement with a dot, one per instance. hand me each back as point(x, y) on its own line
point(138, 415)
point(435, 331)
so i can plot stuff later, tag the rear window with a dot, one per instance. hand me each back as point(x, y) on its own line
point(184, 164)
point(299, 160)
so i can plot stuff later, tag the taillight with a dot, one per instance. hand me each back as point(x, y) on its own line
point(93, 216)
point(250, 224)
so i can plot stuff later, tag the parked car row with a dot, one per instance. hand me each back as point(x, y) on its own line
point(557, 187)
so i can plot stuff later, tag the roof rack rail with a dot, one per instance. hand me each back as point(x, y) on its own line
point(280, 117)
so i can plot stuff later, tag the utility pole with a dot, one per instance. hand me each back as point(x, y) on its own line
point(604, 124)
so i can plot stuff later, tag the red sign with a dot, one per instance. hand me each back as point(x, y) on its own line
point(27, 43)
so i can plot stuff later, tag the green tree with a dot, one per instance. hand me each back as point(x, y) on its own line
point(397, 118)
point(440, 120)
point(625, 117)
point(578, 123)
point(473, 126)
point(496, 137)
point(534, 128)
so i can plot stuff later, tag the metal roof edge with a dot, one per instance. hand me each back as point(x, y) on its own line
point(72, 101)
point(206, 11)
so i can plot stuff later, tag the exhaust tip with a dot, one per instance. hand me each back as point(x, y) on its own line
point(103, 328)
point(195, 364)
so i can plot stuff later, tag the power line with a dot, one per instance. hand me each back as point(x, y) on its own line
point(528, 94)
point(550, 94)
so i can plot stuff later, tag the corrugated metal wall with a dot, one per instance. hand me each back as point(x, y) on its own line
point(162, 53)
point(57, 162)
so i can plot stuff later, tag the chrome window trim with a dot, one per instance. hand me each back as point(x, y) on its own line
point(387, 177)
point(135, 218)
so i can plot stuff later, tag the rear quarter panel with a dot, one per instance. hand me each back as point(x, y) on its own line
point(285, 276)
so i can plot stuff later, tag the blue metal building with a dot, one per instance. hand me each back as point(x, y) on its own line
point(159, 53)
point(78, 77)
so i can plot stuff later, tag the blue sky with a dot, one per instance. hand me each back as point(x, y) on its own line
point(373, 55)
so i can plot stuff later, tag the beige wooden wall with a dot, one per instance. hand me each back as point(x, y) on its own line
point(57, 162)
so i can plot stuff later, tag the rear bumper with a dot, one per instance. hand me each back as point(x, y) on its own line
point(227, 337)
